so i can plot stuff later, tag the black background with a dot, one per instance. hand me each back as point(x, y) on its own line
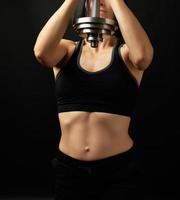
point(29, 125)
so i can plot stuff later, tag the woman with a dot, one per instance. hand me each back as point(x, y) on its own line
point(96, 91)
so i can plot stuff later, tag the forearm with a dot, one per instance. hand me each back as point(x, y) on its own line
point(55, 28)
point(132, 31)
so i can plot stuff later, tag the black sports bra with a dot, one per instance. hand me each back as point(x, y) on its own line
point(111, 90)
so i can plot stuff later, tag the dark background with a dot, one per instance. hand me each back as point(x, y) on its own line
point(29, 125)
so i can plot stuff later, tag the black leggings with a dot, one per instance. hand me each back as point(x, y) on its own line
point(116, 177)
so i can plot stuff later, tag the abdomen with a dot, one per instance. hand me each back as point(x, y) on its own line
point(93, 135)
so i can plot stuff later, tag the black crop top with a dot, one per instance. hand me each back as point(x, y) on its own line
point(112, 89)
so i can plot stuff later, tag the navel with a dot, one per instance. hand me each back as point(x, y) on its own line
point(87, 148)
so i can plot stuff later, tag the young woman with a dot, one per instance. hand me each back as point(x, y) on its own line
point(96, 91)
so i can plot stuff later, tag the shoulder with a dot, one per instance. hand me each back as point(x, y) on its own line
point(123, 51)
point(70, 46)
point(134, 72)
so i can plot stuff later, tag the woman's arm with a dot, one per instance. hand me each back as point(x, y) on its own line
point(49, 49)
point(138, 46)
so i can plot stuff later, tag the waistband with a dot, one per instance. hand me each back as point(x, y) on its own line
point(120, 159)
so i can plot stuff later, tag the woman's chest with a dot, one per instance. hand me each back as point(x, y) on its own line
point(95, 62)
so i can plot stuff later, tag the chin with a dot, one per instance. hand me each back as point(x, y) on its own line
point(103, 16)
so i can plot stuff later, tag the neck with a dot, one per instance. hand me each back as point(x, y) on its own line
point(108, 41)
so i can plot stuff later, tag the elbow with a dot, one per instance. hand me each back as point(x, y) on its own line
point(143, 61)
point(41, 58)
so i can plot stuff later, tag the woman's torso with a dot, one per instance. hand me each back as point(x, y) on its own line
point(93, 135)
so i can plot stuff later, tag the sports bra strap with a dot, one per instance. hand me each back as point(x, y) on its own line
point(116, 50)
point(77, 46)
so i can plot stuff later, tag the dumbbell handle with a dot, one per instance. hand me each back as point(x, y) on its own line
point(95, 8)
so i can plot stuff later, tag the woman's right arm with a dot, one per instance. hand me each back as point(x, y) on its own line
point(50, 48)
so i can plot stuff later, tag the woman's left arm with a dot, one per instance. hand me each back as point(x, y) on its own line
point(140, 50)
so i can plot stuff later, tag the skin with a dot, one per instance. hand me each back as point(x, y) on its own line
point(95, 135)
point(105, 9)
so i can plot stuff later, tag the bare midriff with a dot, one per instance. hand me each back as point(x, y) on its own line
point(94, 135)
